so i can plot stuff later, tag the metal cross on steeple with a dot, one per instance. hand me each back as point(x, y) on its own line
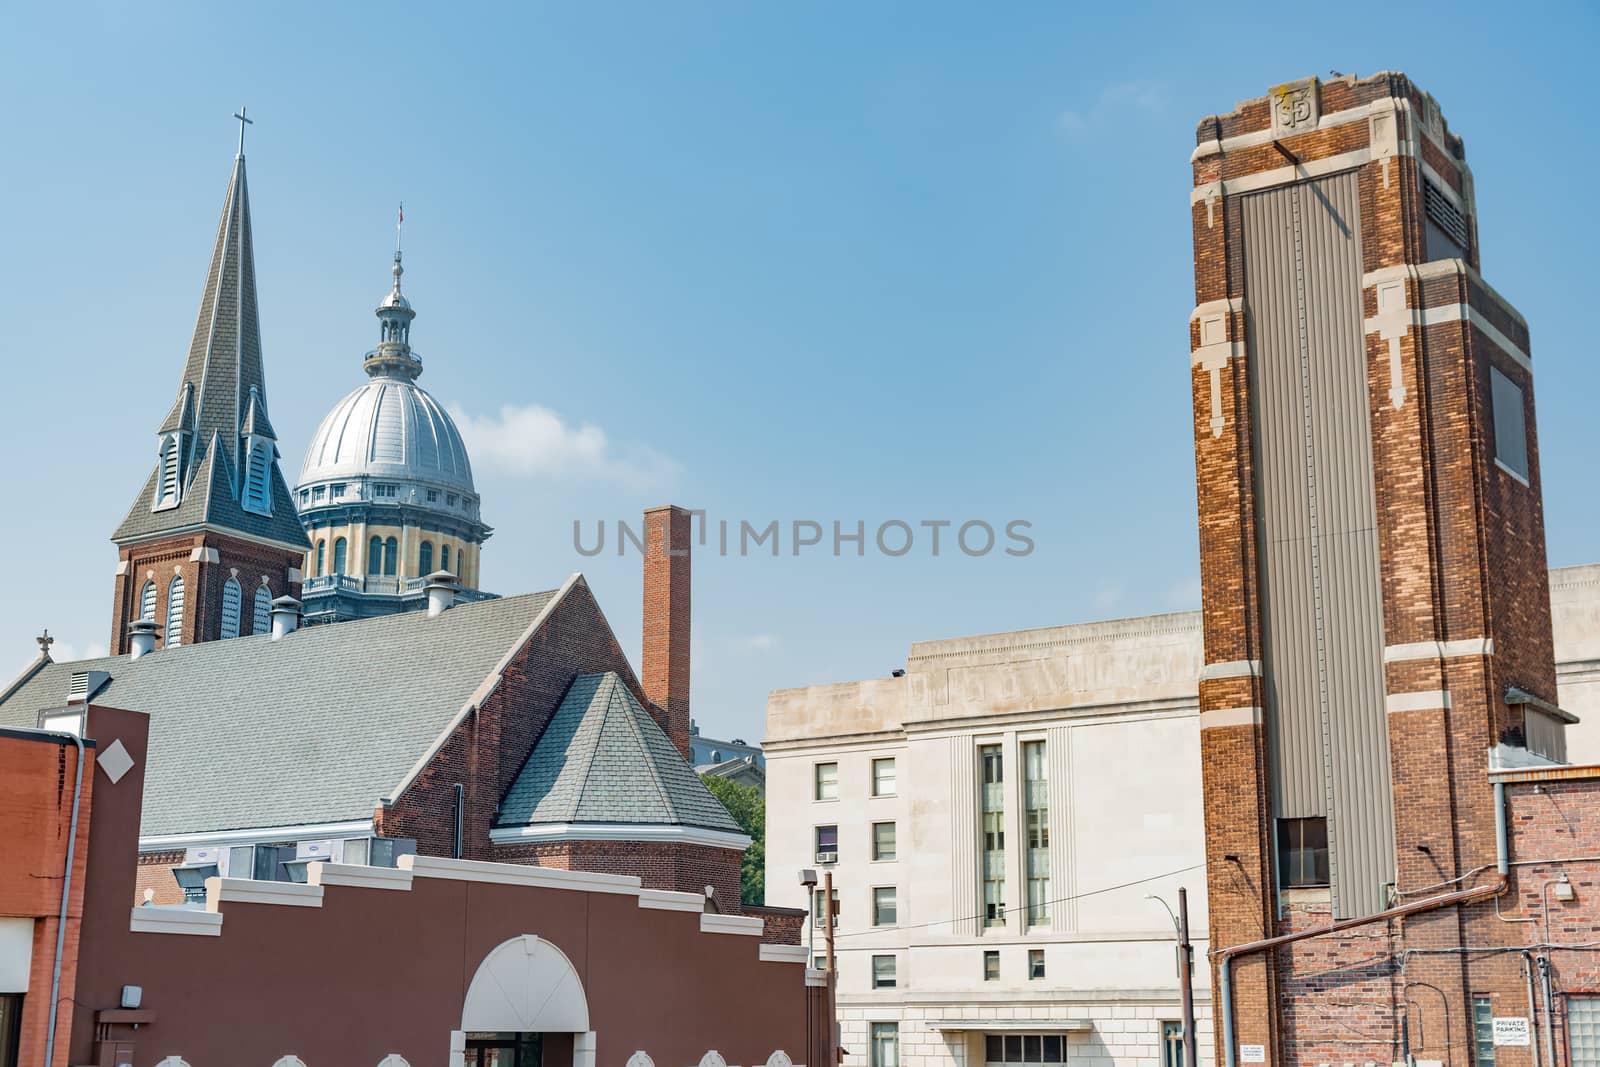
point(242, 123)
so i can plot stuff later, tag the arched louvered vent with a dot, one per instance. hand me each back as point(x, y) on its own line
point(258, 478)
point(175, 612)
point(262, 623)
point(147, 601)
point(167, 485)
point(232, 604)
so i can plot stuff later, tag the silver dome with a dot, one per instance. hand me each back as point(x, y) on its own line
point(390, 430)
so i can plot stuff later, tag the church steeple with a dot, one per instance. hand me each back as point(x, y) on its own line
point(216, 463)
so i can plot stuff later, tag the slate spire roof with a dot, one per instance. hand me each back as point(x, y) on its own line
point(603, 759)
point(221, 396)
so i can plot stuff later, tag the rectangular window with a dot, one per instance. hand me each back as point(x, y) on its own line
point(355, 852)
point(1510, 424)
point(818, 962)
point(1583, 1031)
point(1024, 1048)
point(338, 490)
point(885, 1045)
point(383, 490)
point(316, 494)
point(1171, 1043)
point(1036, 797)
point(883, 975)
point(827, 844)
point(242, 861)
point(1035, 963)
point(994, 836)
point(450, 500)
point(883, 906)
point(827, 782)
point(817, 909)
point(433, 496)
point(991, 965)
point(1303, 852)
point(10, 1028)
point(883, 847)
point(1483, 1033)
point(883, 777)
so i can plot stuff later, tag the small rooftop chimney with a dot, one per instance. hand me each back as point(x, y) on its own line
point(142, 637)
point(664, 661)
point(285, 616)
point(441, 590)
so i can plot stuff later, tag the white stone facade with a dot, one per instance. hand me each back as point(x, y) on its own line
point(1115, 705)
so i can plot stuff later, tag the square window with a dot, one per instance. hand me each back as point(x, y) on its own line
point(883, 777)
point(1035, 963)
point(1303, 852)
point(827, 844)
point(433, 496)
point(338, 490)
point(883, 972)
point(827, 781)
point(883, 906)
point(991, 965)
point(355, 852)
point(883, 844)
point(818, 962)
point(450, 500)
point(1510, 424)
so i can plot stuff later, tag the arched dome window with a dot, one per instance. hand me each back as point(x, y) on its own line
point(175, 612)
point(147, 601)
point(322, 554)
point(232, 603)
point(340, 548)
point(375, 556)
point(444, 557)
point(263, 611)
point(425, 559)
point(391, 549)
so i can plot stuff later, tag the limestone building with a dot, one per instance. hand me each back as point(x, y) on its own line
point(386, 491)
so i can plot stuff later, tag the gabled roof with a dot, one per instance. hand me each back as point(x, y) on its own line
point(316, 727)
point(603, 759)
point(214, 401)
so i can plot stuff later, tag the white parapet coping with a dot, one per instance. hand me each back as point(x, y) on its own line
point(519, 874)
point(746, 925)
point(221, 891)
point(785, 954)
point(157, 919)
point(324, 873)
point(671, 900)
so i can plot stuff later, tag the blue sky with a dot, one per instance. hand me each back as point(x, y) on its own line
point(822, 261)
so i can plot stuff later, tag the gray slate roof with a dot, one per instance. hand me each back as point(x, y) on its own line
point(604, 759)
point(316, 727)
point(210, 501)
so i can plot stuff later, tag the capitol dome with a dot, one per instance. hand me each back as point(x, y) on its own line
point(385, 493)
point(393, 430)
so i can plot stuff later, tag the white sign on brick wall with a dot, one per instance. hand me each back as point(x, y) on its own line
point(1510, 1030)
point(1252, 1054)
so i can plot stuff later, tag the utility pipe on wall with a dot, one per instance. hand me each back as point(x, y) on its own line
point(66, 898)
point(1533, 1007)
point(1225, 957)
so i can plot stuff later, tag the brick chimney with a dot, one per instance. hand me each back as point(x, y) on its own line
point(665, 658)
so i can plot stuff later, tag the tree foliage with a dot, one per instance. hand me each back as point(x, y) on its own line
point(749, 809)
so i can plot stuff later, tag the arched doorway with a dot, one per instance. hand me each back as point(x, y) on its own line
point(525, 1007)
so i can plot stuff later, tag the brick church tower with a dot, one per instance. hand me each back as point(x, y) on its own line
point(1376, 604)
point(213, 538)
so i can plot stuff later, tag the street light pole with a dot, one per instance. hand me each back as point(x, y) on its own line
point(1186, 980)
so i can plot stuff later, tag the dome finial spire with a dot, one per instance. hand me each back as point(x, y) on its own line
point(399, 226)
point(393, 356)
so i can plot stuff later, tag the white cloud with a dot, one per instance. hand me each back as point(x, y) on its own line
point(1116, 101)
point(533, 441)
point(759, 642)
point(65, 652)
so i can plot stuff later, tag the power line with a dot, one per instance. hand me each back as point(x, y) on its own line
point(1027, 907)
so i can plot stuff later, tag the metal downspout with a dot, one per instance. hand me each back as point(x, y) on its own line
point(1549, 1012)
point(66, 897)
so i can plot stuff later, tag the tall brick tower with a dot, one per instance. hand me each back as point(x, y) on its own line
point(1376, 609)
point(213, 538)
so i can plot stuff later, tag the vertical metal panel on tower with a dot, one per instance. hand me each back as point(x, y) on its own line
point(1321, 596)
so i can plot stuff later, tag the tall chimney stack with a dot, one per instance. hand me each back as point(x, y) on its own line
point(665, 658)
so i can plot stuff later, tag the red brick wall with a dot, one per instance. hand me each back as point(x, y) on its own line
point(37, 781)
point(155, 872)
point(784, 926)
point(684, 868)
point(665, 659)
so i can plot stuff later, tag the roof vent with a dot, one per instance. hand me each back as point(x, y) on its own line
point(84, 685)
point(142, 637)
point(441, 589)
point(285, 616)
